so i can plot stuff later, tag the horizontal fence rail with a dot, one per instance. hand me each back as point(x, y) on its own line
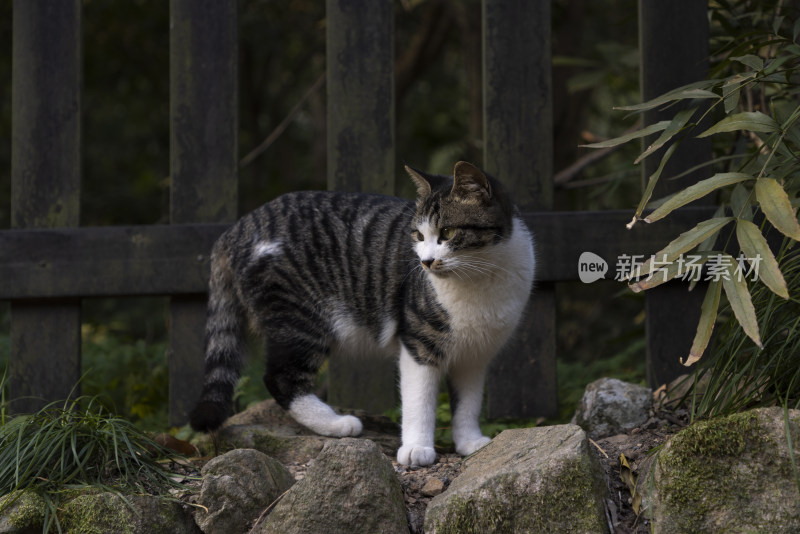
point(174, 259)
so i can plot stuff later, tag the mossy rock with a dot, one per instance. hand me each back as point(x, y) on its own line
point(266, 427)
point(526, 480)
point(729, 474)
point(22, 513)
point(100, 513)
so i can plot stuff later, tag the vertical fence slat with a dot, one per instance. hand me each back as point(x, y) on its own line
point(673, 42)
point(45, 183)
point(518, 137)
point(360, 80)
point(203, 162)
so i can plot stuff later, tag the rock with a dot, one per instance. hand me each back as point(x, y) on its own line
point(351, 487)
point(526, 480)
point(22, 513)
point(237, 487)
point(730, 474)
point(610, 406)
point(266, 427)
point(432, 487)
point(93, 512)
point(99, 513)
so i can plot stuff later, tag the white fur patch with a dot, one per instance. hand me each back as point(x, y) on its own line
point(467, 380)
point(486, 302)
point(314, 414)
point(267, 248)
point(352, 339)
point(429, 248)
point(419, 387)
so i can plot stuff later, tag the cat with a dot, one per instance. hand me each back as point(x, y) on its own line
point(440, 284)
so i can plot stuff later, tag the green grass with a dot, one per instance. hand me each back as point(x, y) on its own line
point(77, 444)
point(740, 375)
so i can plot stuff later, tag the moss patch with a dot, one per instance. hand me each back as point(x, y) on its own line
point(27, 511)
point(564, 501)
point(726, 475)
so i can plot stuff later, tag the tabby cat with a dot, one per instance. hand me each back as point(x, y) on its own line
point(440, 284)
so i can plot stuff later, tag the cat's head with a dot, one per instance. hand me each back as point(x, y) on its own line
point(459, 220)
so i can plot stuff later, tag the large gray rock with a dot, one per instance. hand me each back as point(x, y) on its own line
point(266, 427)
point(237, 487)
point(731, 474)
point(526, 480)
point(610, 406)
point(350, 488)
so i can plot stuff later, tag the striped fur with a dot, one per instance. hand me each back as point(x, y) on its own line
point(440, 283)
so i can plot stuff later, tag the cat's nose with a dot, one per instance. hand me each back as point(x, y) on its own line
point(427, 263)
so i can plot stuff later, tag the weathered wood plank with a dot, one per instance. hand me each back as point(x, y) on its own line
point(360, 83)
point(173, 259)
point(518, 140)
point(360, 86)
point(673, 39)
point(45, 185)
point(203, 161)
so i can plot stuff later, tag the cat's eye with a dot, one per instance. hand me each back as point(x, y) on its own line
point(447, 233)
point(417, 235)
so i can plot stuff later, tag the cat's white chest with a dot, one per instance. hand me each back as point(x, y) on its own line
point(484, 311)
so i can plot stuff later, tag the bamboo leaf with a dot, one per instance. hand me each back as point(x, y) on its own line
point(651, 184)
point(653, 128)
point(739, 298)
point(754, 245)
point(777, 207)
point(684, 93)
point(747, 120)
point(698, 190)
point(675, 126)
point(685, 242)
point(708, 316)
point(752, 61)
point(671, 271)
point(656, 278)
point(741, 204)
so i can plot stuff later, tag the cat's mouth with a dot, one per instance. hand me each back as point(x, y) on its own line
point(436, 267)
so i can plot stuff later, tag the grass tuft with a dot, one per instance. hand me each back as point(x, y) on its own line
point(76, 444)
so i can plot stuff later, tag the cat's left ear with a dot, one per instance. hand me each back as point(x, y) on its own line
point(422, 183)
point(470, 183)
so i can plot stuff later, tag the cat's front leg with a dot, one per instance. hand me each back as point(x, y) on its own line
point(465, 382)
point(419, 387)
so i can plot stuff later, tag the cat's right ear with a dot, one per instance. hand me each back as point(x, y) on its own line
point(422, 183)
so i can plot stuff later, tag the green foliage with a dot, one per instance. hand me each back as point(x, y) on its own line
point(739, 375)
point(751, 97)
point(749, 108)
point(128, 376)
point(76, 444)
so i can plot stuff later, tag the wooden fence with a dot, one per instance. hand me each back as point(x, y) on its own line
point(48, 263)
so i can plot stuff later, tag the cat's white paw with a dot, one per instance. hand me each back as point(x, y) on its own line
point(416, 455)
point(346, 425)
point(468, 447)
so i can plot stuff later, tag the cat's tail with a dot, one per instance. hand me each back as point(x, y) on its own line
point(224, 345)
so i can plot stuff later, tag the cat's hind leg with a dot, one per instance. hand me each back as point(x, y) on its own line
point(290, 374)
point(465, 382)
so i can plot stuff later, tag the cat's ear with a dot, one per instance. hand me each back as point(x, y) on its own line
point(470, 183)
point(422, 183)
